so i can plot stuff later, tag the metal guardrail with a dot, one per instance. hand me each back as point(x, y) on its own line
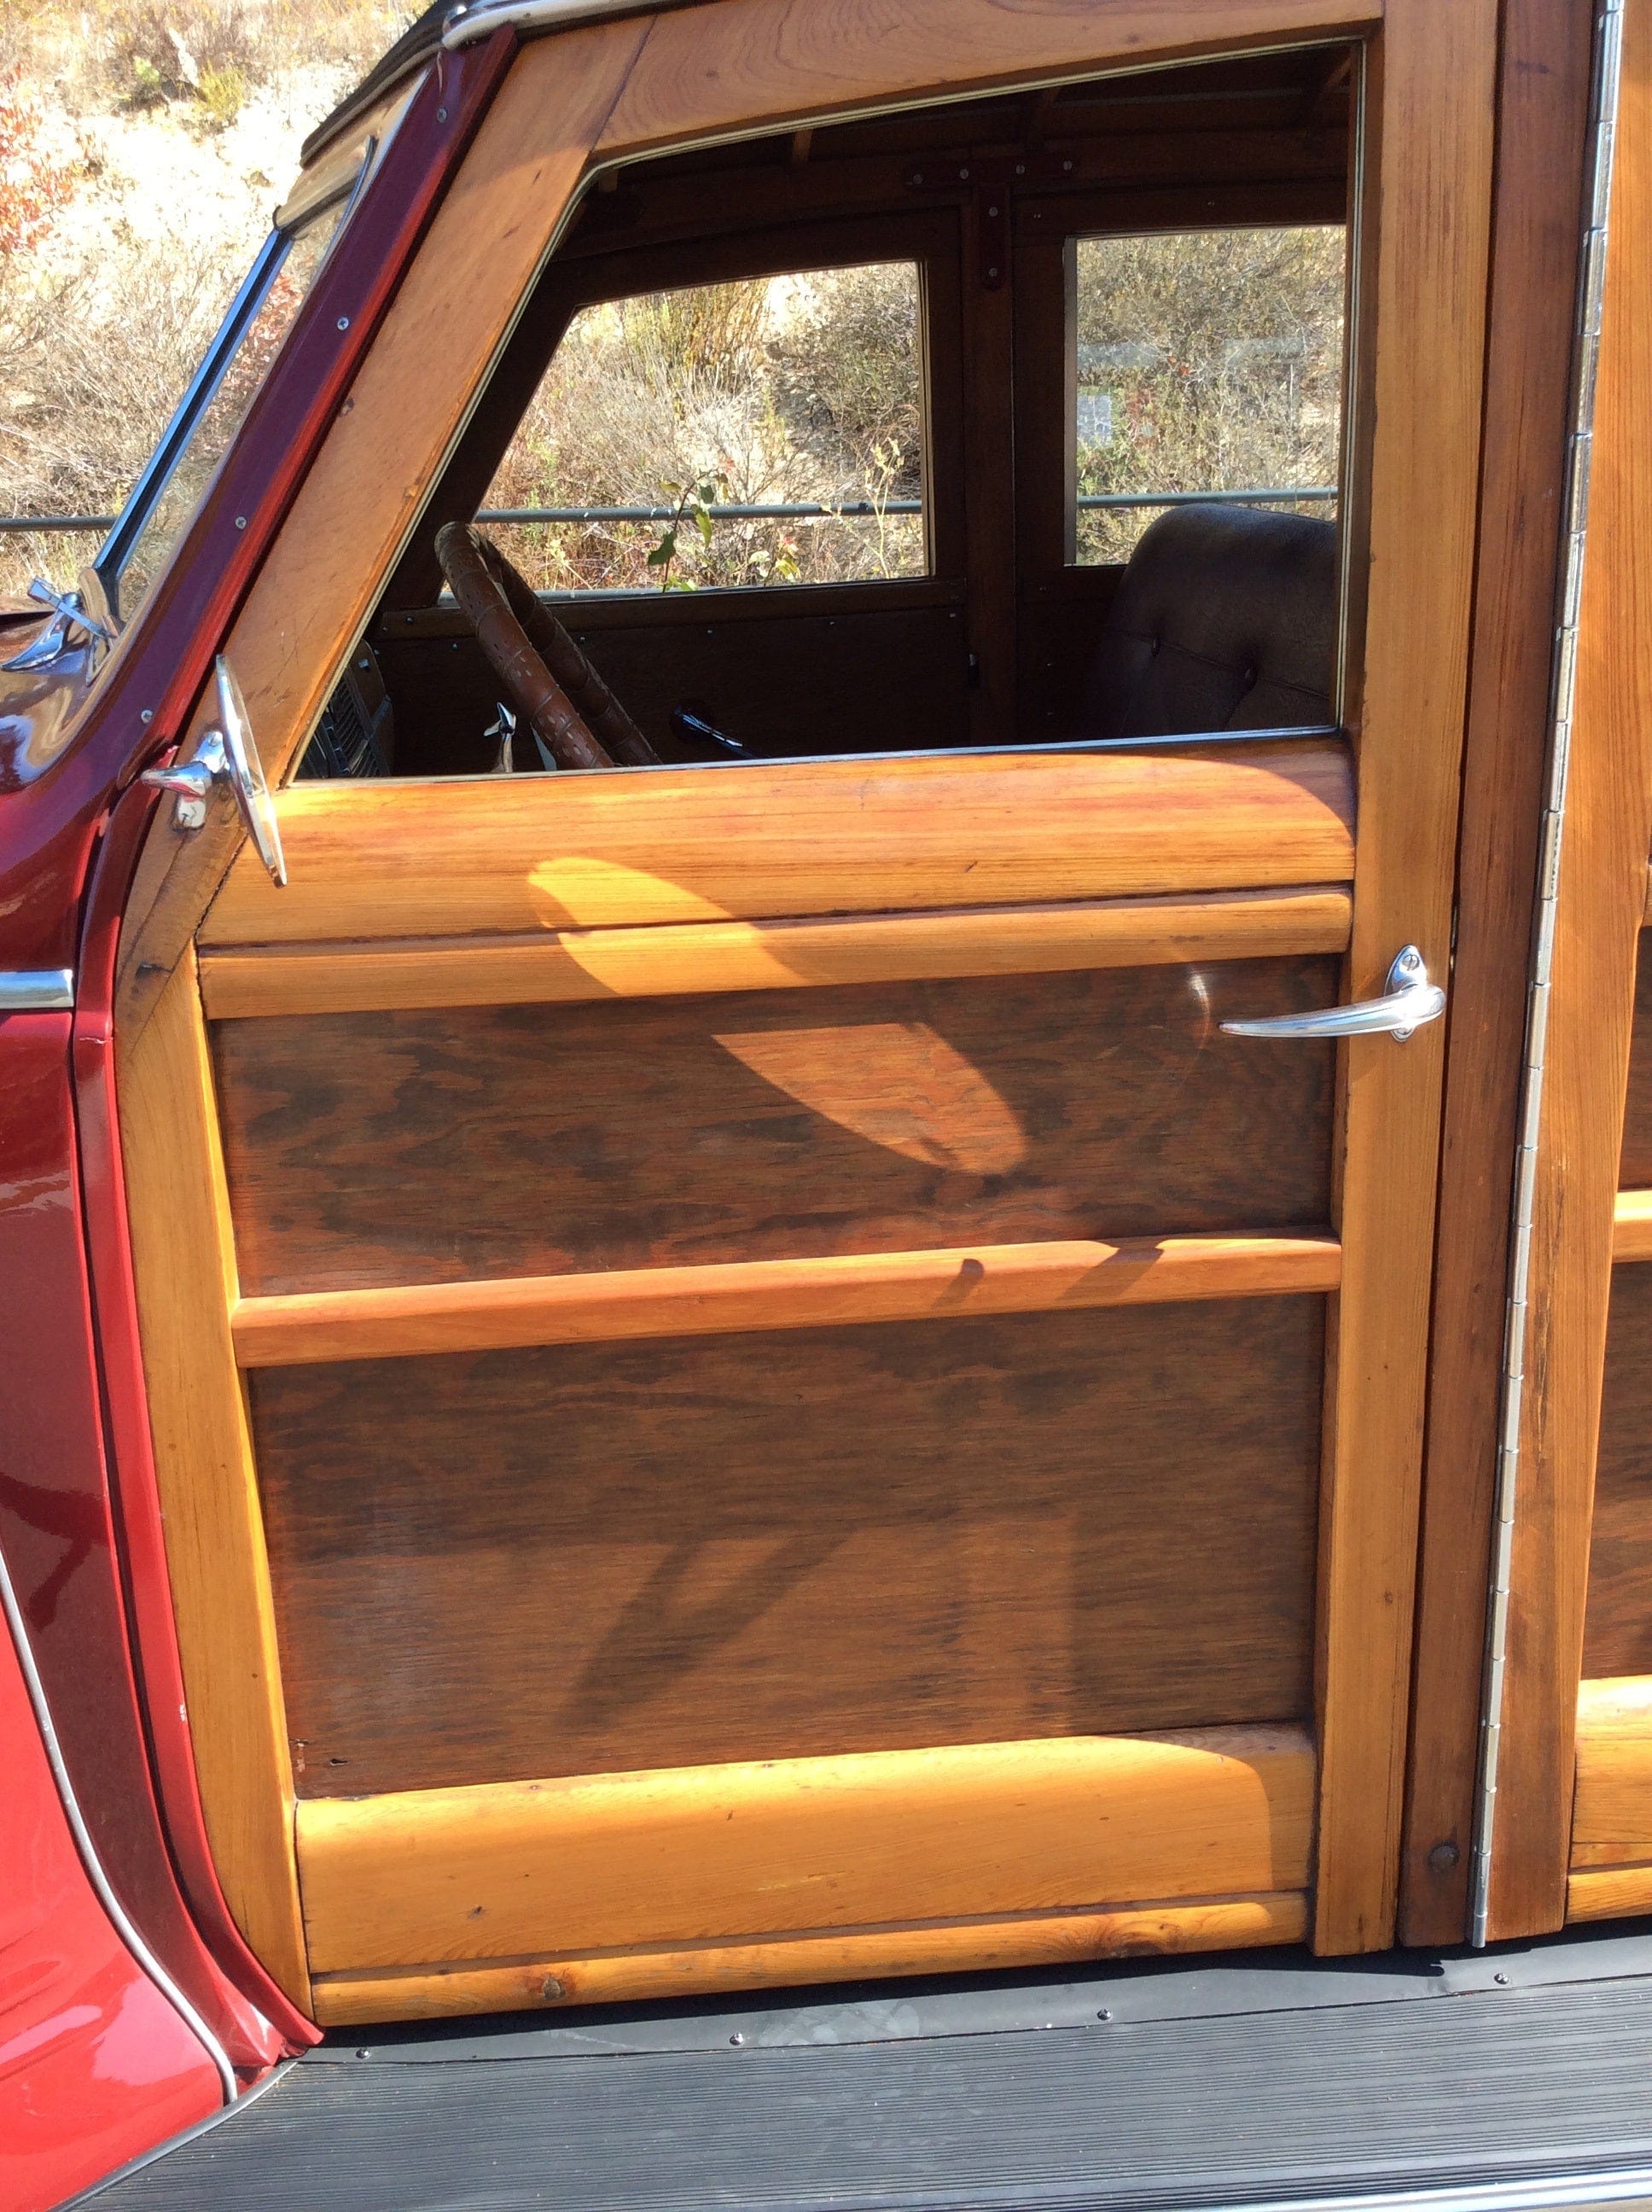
point(20, 525)
point(853, 510)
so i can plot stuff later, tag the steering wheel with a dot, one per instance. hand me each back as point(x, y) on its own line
point(565, 703)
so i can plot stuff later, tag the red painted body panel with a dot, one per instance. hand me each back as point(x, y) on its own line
point(96, 2064)
point(57, 1531)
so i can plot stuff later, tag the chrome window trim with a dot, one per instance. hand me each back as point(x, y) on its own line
point(344, 183)
point(462, 26)
point(116, 550)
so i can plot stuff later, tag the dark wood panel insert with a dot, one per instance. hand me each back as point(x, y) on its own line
point(1634, 1169)
point(597, 1559)
point(369, 1149)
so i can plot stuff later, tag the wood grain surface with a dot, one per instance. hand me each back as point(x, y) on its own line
point(367, 1150)
point(497, 855)
point(596, 1558)
point(184, 1272)
point(977, 1944)
point(1632, 1225)
point(1609, 1893)
point(322, 1325)
point(669, 960)
point(1543, 105)
point(1612, 1812)
point(1418, 363)
point(795, 1846)
point(1617, 1633)
point(744, 62)
point(1602, 891)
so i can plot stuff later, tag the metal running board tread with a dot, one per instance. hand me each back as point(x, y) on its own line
point(1245, 2081)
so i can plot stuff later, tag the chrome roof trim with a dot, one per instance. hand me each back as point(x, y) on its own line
point(463, 24)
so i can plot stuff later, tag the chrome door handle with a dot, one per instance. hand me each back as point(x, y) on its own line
point(226, 754)
point(1410, 1001)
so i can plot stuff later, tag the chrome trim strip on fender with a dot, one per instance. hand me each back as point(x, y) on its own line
point(88, 1857)
point(36, 990)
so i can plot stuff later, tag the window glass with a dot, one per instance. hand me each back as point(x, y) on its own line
point(762, 432)
point(225, 408)
point(1207, 362)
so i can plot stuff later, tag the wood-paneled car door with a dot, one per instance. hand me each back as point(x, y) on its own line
point(807, 1410)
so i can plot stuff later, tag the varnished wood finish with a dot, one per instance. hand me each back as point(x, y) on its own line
point(1543, 108)
point(185, 1270)
point(1612, 1818)
point(1617, 1628)
point(977, 1945)
point(669, 960)
point(745, 843)
point(1419, 376)
point(1602, 887)
point(1609, 1892)
point(1632, 1225)
point(897, 1286)
point(804, 1845)
point(418, 1147)
point(600, 1557)
point(353, 510)
point(774, 62)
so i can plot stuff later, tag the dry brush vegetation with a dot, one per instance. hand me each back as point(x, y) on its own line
point(1204, 361)
point(143, 144)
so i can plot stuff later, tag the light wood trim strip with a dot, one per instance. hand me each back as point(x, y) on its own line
point(731, 1854)
point(496, 855)
point(1417, 403)
point(183, 1253)
point(1609, 1893)
point(675, 958)
point(774, 62)
point(1632, 1225)
point(1612, 1810)
point(977, 1946)
point(1646, 908)
point(304, 1328)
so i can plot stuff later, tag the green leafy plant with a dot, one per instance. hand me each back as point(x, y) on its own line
point(694, 505)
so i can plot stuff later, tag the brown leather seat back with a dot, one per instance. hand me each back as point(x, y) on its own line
point(1226, 619)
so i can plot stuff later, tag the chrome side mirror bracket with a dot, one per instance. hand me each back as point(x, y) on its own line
point(226, 754)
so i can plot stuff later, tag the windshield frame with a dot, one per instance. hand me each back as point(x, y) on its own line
point(146, 494)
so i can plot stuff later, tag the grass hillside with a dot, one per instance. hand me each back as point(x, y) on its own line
point(143, 147)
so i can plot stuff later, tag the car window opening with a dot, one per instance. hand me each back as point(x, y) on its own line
point(959, 429)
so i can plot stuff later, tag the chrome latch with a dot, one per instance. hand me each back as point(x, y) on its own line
point(71, 614)
point(226, 753)
point(1409, 1001)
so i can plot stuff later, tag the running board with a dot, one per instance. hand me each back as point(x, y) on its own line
point(1511, 2081)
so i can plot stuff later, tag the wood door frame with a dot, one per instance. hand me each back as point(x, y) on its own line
point(606, 93)
point(1543, 105)
point(1600, 908)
